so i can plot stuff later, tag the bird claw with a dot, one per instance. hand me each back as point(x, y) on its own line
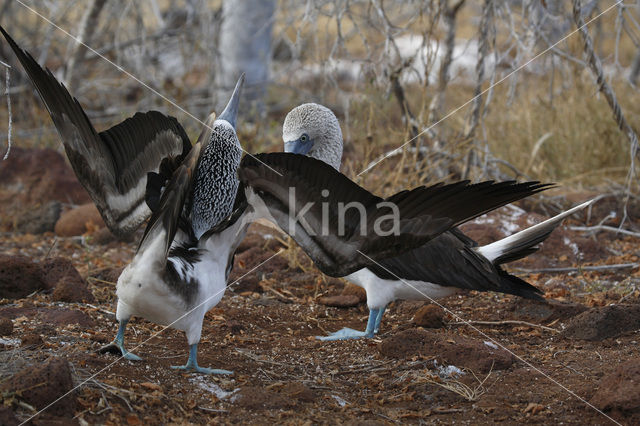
point(118, 349)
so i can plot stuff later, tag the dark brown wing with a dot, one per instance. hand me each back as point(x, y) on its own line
point(112, 165)
point(341, 225)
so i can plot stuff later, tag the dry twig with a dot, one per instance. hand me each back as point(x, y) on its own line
point(505, 323)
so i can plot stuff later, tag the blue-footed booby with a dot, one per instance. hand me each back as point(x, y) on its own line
point(203, 197)
point(447, 263)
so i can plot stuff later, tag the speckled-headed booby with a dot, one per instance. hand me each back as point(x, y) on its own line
point(437, 269)
point(204, 197)
point(175, 277)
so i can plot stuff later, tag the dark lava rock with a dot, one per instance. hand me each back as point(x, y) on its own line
point(103, 237)
point(109, 275)
point(39, 220)
point(19, 277)
point(6, 327)
point(248, 283)
point(62, 317)
point(449, 350)
point(31, 178)
point(352, 289)
point(39, 386)
point(235, 327)
point(429, 316)
point(48, 316)
point(339, 301)
point(543, 311)
point(256, 398)
point(57, 268)
point(79, 220)
point(298, 391)
point(7, 418)
point(69, 290)
point(603, 322)
point(68, 285)
point(619, 392)
point(12, 312)
point(408, 307)
point(31, 339)
point(41, 175)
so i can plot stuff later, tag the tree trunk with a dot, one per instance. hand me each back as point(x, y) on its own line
point(245, 46)
point(87, 28)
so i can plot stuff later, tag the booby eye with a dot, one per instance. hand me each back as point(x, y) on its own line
point(304, 138)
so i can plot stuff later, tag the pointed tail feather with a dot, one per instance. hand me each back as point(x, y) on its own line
point(523, 243)
point(513, 285)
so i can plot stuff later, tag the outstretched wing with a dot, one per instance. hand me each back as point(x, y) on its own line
point(344, 227)
point(111, 165)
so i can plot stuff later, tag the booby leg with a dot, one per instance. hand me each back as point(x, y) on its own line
point(350, 333)
point(118, 344)
point(376, 328)
point(192, 364)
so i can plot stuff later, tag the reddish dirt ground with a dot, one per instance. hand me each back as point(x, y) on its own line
point(264, 330)
point(513, 361)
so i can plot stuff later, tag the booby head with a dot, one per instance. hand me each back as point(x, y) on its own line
point(312, 129)
point(216, 181)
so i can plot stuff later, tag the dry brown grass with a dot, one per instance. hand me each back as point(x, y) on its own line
point(569, 138)
point(583, 137)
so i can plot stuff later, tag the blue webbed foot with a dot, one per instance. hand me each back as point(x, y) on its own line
point(117, 346)
point(118, 349)
point(198, 369)
point(192, 364)
point(350, 333)
point(345, 334)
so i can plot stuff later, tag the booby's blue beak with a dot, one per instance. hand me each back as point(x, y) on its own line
point(230, 113)
point(302, 145)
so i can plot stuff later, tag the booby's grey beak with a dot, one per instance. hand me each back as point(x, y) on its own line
point(230, 113)
point(302, 145)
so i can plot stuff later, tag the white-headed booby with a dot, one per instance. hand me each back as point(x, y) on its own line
point(203, 198)
point(437, 269)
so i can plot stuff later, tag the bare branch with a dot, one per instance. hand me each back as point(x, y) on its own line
point(596, 68)
point(7, 83)
point(85, 35)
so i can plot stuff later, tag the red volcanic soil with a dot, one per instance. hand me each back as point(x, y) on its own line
point(513, 360)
